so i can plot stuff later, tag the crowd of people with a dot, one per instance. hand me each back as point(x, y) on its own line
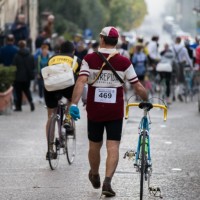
point(153, 64)
point(131, 61)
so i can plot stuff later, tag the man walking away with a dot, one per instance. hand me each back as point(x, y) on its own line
point(105, 104)
point(182, 59)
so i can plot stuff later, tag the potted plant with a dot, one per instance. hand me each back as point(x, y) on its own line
point(7, 77)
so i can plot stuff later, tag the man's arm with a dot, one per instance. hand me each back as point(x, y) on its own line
point(140, 90)
point(78, 89)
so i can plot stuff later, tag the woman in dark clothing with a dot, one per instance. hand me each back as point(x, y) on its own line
point(24, 62)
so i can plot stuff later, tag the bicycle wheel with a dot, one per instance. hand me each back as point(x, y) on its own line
point(143, 159)
point(71, 143)
point(53, 142)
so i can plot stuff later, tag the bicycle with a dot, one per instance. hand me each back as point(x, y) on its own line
point(143, 161)
point(59, 138)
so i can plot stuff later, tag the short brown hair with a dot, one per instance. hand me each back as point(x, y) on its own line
point(109, 40)
point(22, 44)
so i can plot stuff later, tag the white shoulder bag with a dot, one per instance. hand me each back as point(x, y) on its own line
point(59, 76)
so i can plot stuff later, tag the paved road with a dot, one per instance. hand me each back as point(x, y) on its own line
point(25, 174)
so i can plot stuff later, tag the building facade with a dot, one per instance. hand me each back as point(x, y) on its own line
point(9, 9)
point(185, 15)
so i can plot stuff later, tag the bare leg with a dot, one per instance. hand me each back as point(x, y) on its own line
point(111, 165)
point(112, 157)
point(50, 111)
point(94, 156)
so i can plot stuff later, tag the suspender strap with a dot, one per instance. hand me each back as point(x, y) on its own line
point(177, 53)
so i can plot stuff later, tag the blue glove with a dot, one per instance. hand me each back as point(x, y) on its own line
point(74, 112)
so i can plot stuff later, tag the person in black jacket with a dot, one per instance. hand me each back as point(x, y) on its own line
point(24, 62)
point(20, 29)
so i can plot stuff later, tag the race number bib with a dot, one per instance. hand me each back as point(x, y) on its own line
point(105, 95)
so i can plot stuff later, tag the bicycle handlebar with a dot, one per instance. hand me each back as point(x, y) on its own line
point(154, 106)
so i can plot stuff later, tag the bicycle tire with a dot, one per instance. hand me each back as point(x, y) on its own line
point(143, 163)
point(53, 139)
point(71, 144)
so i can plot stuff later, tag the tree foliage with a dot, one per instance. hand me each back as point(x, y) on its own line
point(127, 14)
point(77, 15)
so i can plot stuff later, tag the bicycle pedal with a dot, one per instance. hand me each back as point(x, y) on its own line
point(130, 154)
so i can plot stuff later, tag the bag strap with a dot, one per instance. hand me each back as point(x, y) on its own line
point(109, 65)
point(177, 53)
point(100, 71)
point(74, 63)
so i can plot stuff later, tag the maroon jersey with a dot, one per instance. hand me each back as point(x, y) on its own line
point(105, 97)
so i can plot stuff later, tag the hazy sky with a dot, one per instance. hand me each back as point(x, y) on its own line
point(153, 22)
point(156, 7)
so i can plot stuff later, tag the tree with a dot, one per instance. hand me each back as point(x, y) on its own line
point(127, 14)
point(94, 14)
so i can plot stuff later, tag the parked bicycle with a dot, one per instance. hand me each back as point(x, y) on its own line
point(143, 161)
point(60, 140)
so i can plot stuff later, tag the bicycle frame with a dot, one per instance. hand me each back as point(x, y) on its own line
point(143, 126)
point(60, 112)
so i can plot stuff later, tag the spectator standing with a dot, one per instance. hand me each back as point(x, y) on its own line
point(48, 28)
point(40, 39)
point(42, 61)
point(189, 50)
point(20, 29)
point(124, 44)
point(139, 61)
point(81, 50)
point(94, 47)
point(164, 68)
point(182, 60)
point(153, 53)
point(8, 51)
point(24, 62)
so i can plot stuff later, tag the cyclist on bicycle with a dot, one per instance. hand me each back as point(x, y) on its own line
point(66, 55)
point(105, 104)
point(154, 55)
point(139, 61)
point(182, 60)
point(164, 69)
